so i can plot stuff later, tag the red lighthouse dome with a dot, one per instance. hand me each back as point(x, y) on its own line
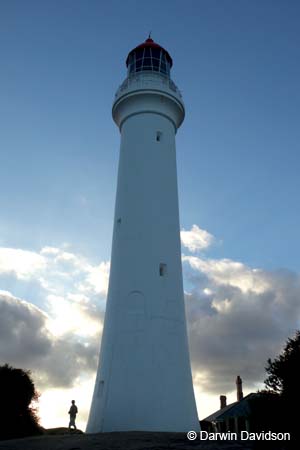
point(149, 56)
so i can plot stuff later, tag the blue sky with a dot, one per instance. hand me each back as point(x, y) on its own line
point(237, 65)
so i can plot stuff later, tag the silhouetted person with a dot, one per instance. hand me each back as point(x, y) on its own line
point(73, 411)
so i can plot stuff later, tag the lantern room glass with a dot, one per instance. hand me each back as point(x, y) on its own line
point(147, 58)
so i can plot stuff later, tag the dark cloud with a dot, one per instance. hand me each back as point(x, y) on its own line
point(26, 342)
point(67, 360)
point(234, 330)
point(21, 329)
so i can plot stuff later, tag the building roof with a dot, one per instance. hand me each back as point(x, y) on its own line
point(236, 409)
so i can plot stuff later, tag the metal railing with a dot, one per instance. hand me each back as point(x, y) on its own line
point(148, 79)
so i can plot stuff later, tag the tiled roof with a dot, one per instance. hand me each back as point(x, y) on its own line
point(236, 409)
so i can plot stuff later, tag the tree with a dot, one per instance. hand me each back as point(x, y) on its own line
point(18, 417)
point(284, 380)
point(284, 372)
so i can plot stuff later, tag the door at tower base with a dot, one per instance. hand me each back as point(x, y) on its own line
point(144, 379)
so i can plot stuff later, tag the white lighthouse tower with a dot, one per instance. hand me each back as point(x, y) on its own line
point(144, 377)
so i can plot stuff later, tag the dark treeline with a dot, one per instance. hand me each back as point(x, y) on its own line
point(18, 418)
point(276, 408)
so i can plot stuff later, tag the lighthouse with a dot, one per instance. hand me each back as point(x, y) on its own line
point(144, 379)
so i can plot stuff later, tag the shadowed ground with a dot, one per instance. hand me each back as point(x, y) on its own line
point(62, 439)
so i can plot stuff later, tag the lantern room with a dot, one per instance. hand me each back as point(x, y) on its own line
point(149, 56)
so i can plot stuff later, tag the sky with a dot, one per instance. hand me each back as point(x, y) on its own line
point(237, 65)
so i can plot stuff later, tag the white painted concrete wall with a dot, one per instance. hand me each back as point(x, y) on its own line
point(144, 378)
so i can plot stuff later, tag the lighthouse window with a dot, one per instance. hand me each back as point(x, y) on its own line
point(147, 63)
point(163, 68)
point(162, 269)
point(155, 63)
point(130, 59)
point(100, 388)
point(147, 52)
point(152, 59)
point(158, 136)
point(138, 65)
point(132, 66)
point(155, 53)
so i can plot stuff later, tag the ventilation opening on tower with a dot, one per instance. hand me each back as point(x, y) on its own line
point(162, 269)
point(158, 136)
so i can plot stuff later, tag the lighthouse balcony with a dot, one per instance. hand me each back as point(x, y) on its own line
point(148, 80)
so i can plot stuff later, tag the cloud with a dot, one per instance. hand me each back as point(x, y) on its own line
point(66, 269)
point(196, 239)
point(59, 339)
point(22, 328)
point(55, 271)
point(26, 341)
point(56, 331)
point(96, 278)
point(231, 273)
point(73, 314)
point(22, 263)
point(237, 317)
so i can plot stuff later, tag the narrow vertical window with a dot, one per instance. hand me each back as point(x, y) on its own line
point(119, 221)
point(162, 269)
point(100, 388)
point(158, 136)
